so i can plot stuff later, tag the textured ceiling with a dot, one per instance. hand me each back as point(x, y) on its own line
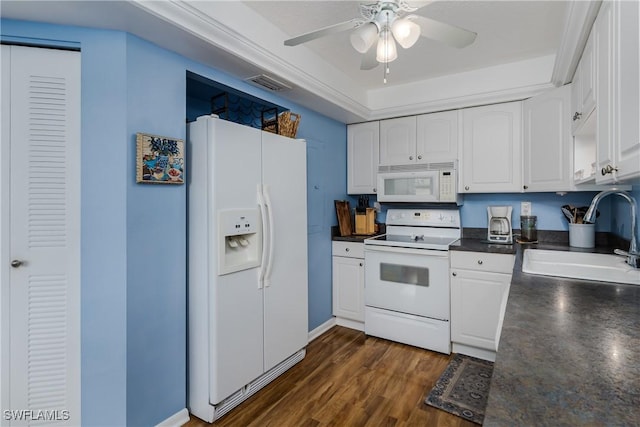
point(507, 31)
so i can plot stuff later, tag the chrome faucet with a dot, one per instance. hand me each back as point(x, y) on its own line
point(633, 257)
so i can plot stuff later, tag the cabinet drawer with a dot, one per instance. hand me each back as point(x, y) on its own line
point(499, 263)
point(347, 249)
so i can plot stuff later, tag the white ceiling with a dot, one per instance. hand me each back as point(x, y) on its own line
point(507, 31)
point(513, 55)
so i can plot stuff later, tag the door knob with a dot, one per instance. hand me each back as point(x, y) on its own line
point(16, 263)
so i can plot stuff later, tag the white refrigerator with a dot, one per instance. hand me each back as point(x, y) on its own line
point(247, 261)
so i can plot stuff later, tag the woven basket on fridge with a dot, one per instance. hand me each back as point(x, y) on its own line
point(288, 124)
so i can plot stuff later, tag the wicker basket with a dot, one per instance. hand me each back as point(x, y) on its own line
point(288, 124)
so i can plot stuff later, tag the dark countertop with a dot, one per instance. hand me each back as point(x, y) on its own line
point(569, 352)
point(358, 238)
point(477, 245)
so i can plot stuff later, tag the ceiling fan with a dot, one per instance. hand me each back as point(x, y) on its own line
point(386, 22)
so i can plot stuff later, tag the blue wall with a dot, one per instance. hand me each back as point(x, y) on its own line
point(156, 242)
point(621, 222)
point(546, 206)
point(133, 236)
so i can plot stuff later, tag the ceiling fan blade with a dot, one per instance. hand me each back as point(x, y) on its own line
point(331, 29)
point(445, 33)
point(369, 61)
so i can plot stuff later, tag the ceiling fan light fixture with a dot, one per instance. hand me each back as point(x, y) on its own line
point(386, 50)
point(406, 32)
point(363, 38)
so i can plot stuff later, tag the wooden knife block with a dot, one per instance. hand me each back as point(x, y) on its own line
point(365, 222)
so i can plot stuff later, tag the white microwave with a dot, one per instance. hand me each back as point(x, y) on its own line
point(425, 183)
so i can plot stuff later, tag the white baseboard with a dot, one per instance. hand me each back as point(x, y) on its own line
point(178, 419)
point(322, 329)
point(480, 353)
point(351, 324)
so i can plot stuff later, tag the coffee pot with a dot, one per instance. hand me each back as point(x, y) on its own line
point(499, 229)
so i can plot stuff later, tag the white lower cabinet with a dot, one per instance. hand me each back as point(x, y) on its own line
point(348, 284)
point(479, 290)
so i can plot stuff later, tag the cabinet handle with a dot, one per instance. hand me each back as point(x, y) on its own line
point(410, 157)
point(454, 274)
point(346, 249)
point(608, 169)
point(16, 263)
point(480, 261)
point(466, 187)
point(360, 264)
point(420, 157)
point(374, 190)
point(525, 186)
point(577, 116)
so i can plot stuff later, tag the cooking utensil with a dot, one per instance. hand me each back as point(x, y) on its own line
point(566, 210)
point(344, 217)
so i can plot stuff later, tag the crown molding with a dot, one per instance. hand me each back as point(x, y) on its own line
point(205, 27)
point(579, 19)
point(500, 83)
point(453, 103)
point(324, 89)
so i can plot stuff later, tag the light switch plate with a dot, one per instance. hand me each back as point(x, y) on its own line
point(525, 208)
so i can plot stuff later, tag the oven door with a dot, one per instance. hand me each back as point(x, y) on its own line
point(411, 281)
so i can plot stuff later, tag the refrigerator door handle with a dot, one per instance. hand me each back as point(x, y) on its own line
point(265, 237)
point(267, 275)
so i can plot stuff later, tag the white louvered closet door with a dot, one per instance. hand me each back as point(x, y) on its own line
point(43, 226)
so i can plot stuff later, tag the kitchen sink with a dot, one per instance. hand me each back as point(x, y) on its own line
point(580, 265)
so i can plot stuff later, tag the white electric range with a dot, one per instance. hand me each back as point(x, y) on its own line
point(407, 278)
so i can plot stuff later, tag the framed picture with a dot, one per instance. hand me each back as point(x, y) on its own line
point(159, 159)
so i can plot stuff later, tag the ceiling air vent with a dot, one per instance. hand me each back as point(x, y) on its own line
point(268, 83)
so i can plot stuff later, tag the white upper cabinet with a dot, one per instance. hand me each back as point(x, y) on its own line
point(617, 92)
point(583, 97)
point(362, 157)
point(437, 137)
point(547, 147)
point(398, 141)
point(491, 160)
point(627, 149)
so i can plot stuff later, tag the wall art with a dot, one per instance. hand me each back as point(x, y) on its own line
point(159, 160)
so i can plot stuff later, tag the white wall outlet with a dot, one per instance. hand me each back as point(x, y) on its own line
point(525, 208)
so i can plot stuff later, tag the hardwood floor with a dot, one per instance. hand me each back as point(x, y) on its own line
point(348, 379)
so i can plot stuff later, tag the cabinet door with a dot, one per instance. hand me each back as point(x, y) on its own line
point(362, 157)
point(605, 129)
point(478, 300)
point(547, 141)
point(626, 151)
point(576, 101)
point(491, 150)
point(587, 79)
point(348, 288)
point(437, 137)
point(398, 141)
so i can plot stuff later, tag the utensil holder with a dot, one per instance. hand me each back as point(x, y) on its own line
point(582, 235)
